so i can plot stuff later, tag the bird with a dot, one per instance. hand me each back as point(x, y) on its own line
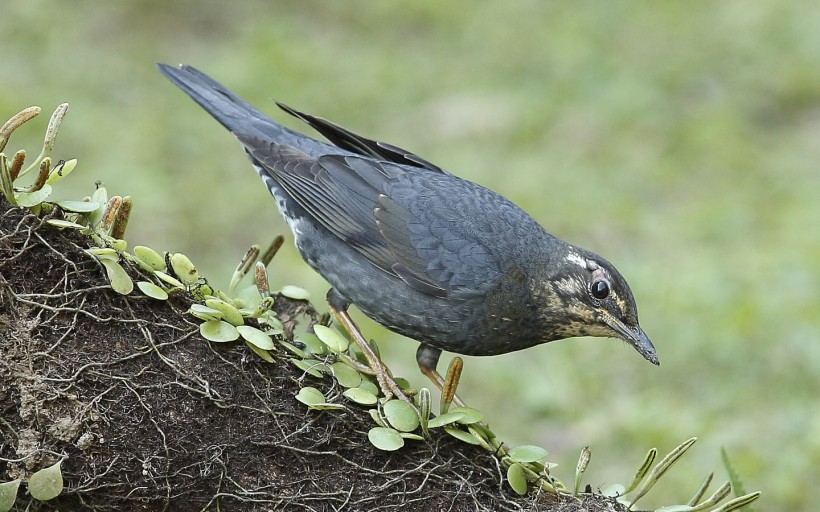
point(423, 252)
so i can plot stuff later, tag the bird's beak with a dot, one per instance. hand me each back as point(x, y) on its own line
point(635, 337)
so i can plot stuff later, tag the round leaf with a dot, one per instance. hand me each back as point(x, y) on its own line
point(386, 439)
point(173, 281)
point(462, 436)
point(204, 312)
point(61, 171)
point(361, 396)
point(347, 376)
point(255, 336)
point(310, 366)
point(517, 479)
point(293, 349)
point(46, 483)
point(29, 199)
point(335, 341)
point(78, 206)
point(370, 386)
point(152, 290)
point(229, 312)
point(445, 419)
point(312, 343)
point(150, 257)
point(528, 453)
point(184, 268)
point(118, 244)
point(8, 494)
point(294, 292)
point(263, 354)
point(218, 331)
point(119, 278)
point(378, 419)
point(470, 415)
point(310, 396)
point(401, 415)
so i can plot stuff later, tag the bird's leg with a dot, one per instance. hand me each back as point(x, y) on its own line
point(338, 308)
point(427, 359)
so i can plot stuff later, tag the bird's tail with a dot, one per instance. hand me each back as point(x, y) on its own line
point(234, 113)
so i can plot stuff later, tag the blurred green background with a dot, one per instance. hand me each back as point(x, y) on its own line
point(679, 139)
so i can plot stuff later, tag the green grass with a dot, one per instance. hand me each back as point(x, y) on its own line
point(678, 139)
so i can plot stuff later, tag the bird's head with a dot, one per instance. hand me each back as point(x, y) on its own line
point(589, 297)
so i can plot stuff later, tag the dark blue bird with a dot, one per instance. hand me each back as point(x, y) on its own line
point(425, 253)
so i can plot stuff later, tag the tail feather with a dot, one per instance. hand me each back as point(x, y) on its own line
point(236, 114)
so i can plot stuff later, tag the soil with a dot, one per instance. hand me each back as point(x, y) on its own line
point(147, 415)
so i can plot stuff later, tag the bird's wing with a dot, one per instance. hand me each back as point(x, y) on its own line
point(361, 202)
point(347, 140)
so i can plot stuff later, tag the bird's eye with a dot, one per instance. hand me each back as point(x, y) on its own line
point(600, 289)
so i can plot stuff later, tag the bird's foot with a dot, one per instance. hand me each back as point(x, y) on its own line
point(374, 364)
point(388, 385)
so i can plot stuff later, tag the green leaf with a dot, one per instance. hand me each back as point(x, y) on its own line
point(29, 199)
point(229, 312)
point(528, 453)
point(184, 268)
point(218, 331)
point(310, 396)
point(401, 415)
point(517, 478)
point(314, 399)
point(462, 436)
point(60, 223)
point(312, 343)
point(298, 352)
point(204, 312)
point(150, 257)
point(8, 494)
point(78, 206)
point(46, 483)
point(255, 337)
point(263, 354)
point(120, 280)
point(734, 478)
point(335, 341)
point(361, 396)
point(173, 281)
point(152, 290)
point(274, 324)
point(376, 417)
point(445, 419)
point(370, 386)
point(294, 292)
point(104, 253)
point(386, 439)
point(310, 366)
point(61, 171)
point(347, 376)
point(470, 415)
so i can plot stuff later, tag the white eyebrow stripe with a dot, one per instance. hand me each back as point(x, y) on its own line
point(574, 257)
